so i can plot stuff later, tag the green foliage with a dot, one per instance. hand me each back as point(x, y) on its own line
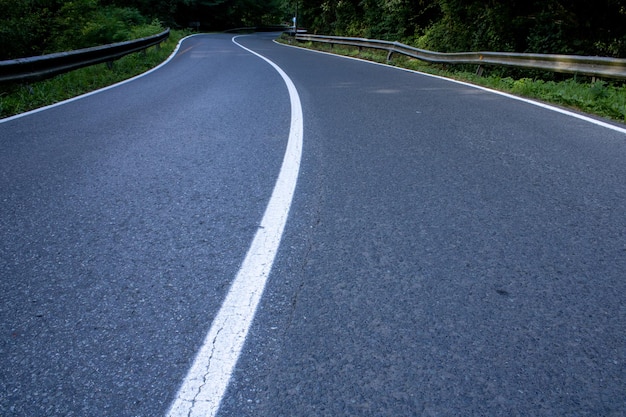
point(23, 28)
point(28, 27)
point(146, 30)
point(85, 23)
point(547, 34)
point(542, 26)
point(36, 27)
point(599, 97)
point(229, 14)
point(19, 98)
point(602, 98)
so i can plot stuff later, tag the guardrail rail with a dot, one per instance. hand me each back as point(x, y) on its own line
point(574, 64)
point(45, 66)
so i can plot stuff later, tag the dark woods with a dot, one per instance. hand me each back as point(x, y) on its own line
point(539, 26)
point(34, 27)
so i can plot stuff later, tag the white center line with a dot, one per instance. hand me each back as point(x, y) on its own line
point(205, 384)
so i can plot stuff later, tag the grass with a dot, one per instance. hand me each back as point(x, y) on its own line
point(601, 98)
point(598, 97)
point(19, 98)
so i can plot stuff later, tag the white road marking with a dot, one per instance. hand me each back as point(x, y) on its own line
point(207, 380)
point(91, 93)
point(514, 97)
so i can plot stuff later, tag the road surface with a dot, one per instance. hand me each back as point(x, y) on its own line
point(449, 251)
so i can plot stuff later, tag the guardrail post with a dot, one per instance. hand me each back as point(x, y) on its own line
point(389, 55)
point(479, 70)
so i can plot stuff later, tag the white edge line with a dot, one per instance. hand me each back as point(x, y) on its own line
point(509, 95)
point(91, 93)
point(207, 380)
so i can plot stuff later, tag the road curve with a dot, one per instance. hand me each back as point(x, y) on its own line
point(125, 217)
point(449, 251)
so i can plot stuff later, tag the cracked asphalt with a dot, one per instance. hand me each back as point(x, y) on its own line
point(449, 251)
point(124, 218)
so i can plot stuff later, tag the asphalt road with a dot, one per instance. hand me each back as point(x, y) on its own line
point(449, 251)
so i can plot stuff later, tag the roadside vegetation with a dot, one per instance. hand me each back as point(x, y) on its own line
point(29, 28)
point(598, 97)
point(579, 27)
point(19, 98)
point(37, 27)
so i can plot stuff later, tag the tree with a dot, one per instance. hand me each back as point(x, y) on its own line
point(545, 26)
point(24, 28)
point(36, 27)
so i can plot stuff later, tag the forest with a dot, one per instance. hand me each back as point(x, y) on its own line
point(36, 27)
point(583, 27)
point(539, 26)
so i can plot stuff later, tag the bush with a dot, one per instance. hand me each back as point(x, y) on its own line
point(30, 28)
point(81, 24)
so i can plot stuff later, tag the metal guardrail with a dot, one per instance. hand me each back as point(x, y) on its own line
point(574, 64)
point(40, 67)
point(273, 28)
